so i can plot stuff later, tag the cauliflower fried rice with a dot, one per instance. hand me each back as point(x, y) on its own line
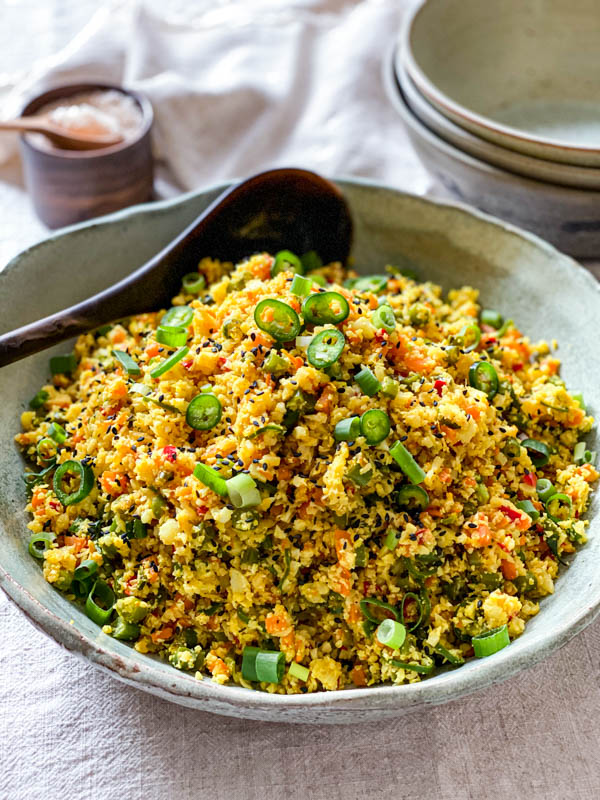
point(262, 534)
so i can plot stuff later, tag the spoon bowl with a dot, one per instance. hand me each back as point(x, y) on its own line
point(62, 137)
point(283, 208)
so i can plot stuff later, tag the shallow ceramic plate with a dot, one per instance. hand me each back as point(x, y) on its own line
point(529, 166)
point(523, 75)
point(518, 274)
point(567, 217)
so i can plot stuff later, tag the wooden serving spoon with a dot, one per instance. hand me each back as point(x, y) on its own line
point(62, 137)
point(280, 209)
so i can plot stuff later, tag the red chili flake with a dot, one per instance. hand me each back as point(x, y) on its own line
point(420, 533)
point(380, 336)
point(366, 586)
point(502, 546)
point(188, 364)
point(530, 479)
point(170, 453)
point(510, 512)
point(518, 366)
point(201, 510)
point(55, 505)
point(438, 386)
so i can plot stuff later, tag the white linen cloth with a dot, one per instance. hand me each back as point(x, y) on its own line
point(237, 86)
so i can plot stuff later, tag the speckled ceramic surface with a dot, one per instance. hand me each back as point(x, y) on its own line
point(521, 74)
point(529, 166)
point(567, 217)
point(518, 274)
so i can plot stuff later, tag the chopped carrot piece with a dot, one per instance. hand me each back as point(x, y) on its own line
point(509, 569)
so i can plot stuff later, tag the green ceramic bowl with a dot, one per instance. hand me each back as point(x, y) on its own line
point(520, 275)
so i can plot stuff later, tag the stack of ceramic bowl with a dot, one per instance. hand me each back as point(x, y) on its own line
point(501, 101)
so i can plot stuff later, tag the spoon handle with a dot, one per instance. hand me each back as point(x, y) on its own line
point(24, 124)
point(277, 209)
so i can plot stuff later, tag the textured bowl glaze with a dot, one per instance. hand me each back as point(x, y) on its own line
point(528, 166)
point(518, 274)
point(522, 75)
point(567, 217)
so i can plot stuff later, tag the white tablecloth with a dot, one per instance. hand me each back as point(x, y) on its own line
point(251, 85)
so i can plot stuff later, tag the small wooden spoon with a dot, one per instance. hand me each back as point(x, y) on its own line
point(280, 209)
point(62, 137)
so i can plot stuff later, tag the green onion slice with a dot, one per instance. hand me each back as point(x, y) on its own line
point(491, 318)
point(324, 308)
point(311, 260)
point(86, 482)
point(171, 335)
point(38, 400)
point(486, 644)
point(559, 507)
point(512, 448)
point(539, 453)
point(193, 283)
point(270, 426)
point(505, 327)
point(211, 478)
point(375, 425)
point(277, 319)
point(407, 463)
point(266, 666)
point(169, 362)
point(298, 671)
point(581, 455)
point(243, 491)
point(545, 489)
point(484, 377)
point(412, 498)
point(60, 365)
point(125, 631)
point(47, 449)
point(86, 569)
point(372, 283)
point(391, 539)
point(177, 317)
point(469, 337)
point(325, 348)
point(39, 543)
point(100, 602)
point(391, 633)
point(360, 475)
point(204, 412)
point(301, 286)
point(528, 507)
point(58, 433)
point(286, 261)
point(384, 317)
point(127, 362)
point(367, 382)
point(347, 429)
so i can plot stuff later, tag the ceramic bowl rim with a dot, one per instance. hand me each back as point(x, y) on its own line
point(522, 161)
point(396, 96)
point(373, 702)
point(439, 98)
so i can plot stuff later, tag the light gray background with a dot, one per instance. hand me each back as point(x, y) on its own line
point(67, 730)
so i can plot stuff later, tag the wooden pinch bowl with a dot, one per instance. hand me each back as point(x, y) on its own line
point(69, 186)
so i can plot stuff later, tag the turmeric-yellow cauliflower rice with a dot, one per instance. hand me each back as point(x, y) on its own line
point(303, 482)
